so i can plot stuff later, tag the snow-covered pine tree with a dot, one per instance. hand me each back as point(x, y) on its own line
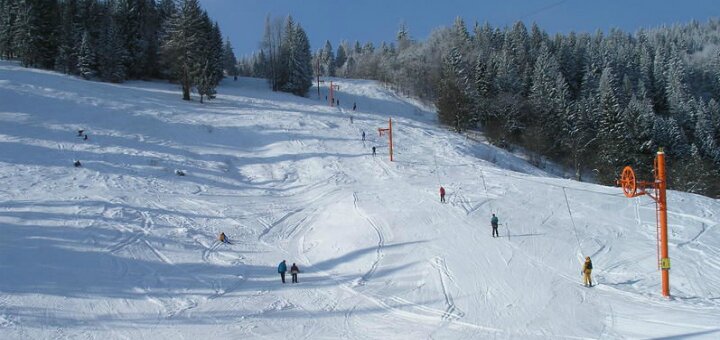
point(340, 56)
point(327, 60)
point(86, 58)
point(112, 55)
point(403, 37)
point(183, 46)
point(453, 103)
point(544, 94)
point(287, 43)
point(612, 130)
point(300, 67)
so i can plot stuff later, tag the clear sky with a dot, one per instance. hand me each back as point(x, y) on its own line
point(378, 20)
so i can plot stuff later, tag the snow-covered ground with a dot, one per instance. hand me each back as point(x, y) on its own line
point(122, 247)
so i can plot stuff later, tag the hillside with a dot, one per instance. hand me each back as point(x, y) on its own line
point(122, 247)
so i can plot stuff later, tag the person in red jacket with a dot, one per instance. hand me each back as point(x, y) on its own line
point(442, 195)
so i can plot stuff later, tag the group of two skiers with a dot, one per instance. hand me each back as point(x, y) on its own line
point(294, 270)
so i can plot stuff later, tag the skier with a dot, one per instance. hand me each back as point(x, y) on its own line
point(363, 136)
point(294, 270)
point(351, 119)
point(282, 268)
point(586, 271)
point(442, 195)
point(86, 137)
point(223, 238)
point(338, 102)
point(373, 151)
point(494, 223)
point(77, 163)
point(354, 106)
point(80, 132)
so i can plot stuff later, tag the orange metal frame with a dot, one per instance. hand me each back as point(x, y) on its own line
point(389, 131)
point(634, 188)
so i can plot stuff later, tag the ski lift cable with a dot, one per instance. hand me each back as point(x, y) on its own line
point(437, 170)
point(487, 195)
point(572, 220)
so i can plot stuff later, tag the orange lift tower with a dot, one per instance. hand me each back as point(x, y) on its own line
point(631, 186)
point(389, 131)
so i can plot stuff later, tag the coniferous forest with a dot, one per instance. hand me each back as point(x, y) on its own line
point(592, 102)
point(117, 40)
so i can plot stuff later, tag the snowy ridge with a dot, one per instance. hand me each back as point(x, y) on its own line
point(122, 247)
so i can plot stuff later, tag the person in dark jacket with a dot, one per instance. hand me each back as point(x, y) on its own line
point(442, 195)
point(494, 223)
point(282, 268)
point(363, 136)
point(354, 106)
point(294, 270)
point(586, 271)
point(373, 151)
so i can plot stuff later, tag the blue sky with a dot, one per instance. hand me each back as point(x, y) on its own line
point(378, 20)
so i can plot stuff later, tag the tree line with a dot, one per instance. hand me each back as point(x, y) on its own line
point(593, 102)
point(117, 40)
point(284, 58)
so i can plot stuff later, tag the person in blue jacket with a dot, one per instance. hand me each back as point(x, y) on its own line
point(282, 268)
point(494, 223)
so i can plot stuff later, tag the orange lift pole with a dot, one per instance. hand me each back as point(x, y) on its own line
point(630, 187)
point(389, 131)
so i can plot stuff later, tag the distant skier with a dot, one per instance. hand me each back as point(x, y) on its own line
point(373, 151)
point(442, 195)
point(351, 119)
point(354, 106)
point(282, 268)
point(494, 223)
point(80, 132)
point(86, 137)
point(338, 102)
point(363, 136)
point(294, 270)
point(223, 238)
point(586, 271)
point(77, 164)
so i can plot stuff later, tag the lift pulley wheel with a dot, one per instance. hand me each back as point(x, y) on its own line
point(628, 182)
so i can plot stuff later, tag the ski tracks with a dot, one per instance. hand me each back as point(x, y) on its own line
point(379, 254)
point(452, 312)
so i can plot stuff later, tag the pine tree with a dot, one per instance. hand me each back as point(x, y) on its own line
point(454, 104)
point(340, 56)
point(112, 54)
point(86, 58)
point(545, 96)
point(8, 25)
point(299, 59)
point(403, 37)
point(611, 128)
point(229, 60)
point(183, 46)
point(327, 60)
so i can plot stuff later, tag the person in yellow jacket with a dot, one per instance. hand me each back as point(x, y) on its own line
point(586, 271)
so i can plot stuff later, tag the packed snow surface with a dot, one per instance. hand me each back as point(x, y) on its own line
point(124, 247)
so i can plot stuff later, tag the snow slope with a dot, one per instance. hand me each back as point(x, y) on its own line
point(123, 248)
